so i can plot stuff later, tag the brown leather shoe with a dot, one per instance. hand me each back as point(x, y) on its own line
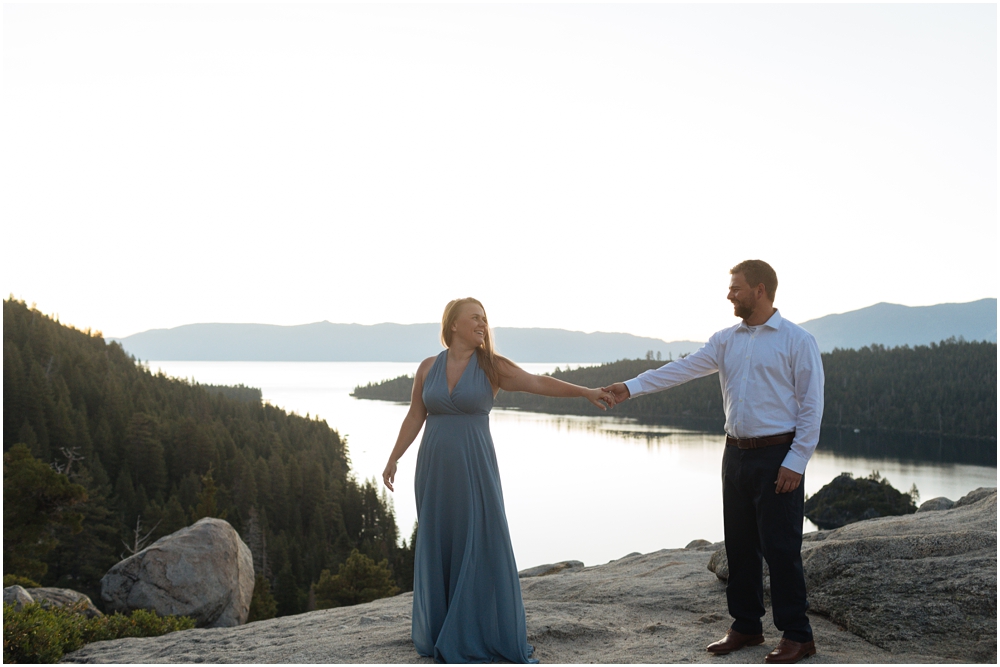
point(734, 641)
point(788, 652)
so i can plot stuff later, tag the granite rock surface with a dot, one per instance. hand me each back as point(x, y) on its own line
point(51, 597)
point(923, 569)
point(204, 571)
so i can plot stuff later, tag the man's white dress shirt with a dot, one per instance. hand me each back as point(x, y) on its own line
point(772, 382)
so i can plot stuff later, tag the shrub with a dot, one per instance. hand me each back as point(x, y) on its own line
point(39, 634)
point(36, 634)
point(140, 623)
point(23, 582)
point(358, 580)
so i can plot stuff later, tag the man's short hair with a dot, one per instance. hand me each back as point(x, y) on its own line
point(757, 271)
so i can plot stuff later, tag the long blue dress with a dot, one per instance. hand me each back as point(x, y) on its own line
point(467, 603)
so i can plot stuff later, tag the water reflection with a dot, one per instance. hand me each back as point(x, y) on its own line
point(909, 447)
point(903, 447)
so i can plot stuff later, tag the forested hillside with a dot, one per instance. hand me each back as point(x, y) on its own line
point(159, 453)
point(948, 388)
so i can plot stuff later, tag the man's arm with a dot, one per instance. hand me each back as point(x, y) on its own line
point(807, 373)
point(698, 364)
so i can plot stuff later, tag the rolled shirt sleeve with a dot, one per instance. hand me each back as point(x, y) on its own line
point(807, 373)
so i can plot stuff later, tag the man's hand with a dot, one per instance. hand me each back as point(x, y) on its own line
point(619, 391)
point(601, 398)
point(788, 480)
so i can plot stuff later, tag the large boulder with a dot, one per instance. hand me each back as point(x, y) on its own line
point(204, 571)
point(928, 580)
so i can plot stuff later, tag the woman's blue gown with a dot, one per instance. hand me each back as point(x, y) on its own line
point(467, 603)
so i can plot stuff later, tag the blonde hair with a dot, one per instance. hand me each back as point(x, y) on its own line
point(488, 359)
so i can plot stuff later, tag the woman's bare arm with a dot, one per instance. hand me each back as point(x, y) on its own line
point(513, 378)
point(412, 423)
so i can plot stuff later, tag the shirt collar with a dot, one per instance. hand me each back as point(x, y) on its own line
point(774, 322)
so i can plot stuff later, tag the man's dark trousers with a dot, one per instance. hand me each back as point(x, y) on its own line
point(760, 522)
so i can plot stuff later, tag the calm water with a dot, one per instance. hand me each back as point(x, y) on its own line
point(576, 488)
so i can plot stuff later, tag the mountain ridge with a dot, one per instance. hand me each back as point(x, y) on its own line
point(882, 323)
point(893, 325)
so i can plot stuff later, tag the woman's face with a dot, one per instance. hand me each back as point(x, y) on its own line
point(470, 325)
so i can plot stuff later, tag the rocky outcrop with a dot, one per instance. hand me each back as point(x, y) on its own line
point(204, 571)
point(719, 563)
point(51, 597)
point(551, 568)
point(662, 607)
point(697, 544)
point(975, 496)
point(894, 582)
point(66, 598)
point(930, 577)
point(17, 596)
point(936, 504)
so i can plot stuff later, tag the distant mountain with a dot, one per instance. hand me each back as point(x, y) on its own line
point(884, 323)
point(326, 341)
point(893, 325)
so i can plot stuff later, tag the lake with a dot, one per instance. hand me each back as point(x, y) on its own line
point(576, 488)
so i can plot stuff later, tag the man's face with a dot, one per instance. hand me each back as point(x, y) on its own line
point(742, 296)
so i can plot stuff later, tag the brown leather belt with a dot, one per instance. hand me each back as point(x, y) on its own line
point(757, 443)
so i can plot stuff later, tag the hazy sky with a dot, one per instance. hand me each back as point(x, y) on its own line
point(576, 166)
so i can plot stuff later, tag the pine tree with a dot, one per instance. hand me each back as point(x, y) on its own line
point(358, 580)
point(262, 605)
point(206, 506)
point(36, 499)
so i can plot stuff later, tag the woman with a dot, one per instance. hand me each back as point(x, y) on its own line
point(466, 595)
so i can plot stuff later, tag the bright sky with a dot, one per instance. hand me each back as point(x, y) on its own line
point(588, 167)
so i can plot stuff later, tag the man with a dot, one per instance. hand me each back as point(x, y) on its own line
point(772, 389)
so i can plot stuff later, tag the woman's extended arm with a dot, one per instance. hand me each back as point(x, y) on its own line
point(412, 423)
point(513, 378)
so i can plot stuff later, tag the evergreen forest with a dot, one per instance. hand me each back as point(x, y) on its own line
point(946, 389)
point(102, 457)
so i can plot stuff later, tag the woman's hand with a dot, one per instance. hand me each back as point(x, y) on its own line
point(389, 474)
point(412, 422)
point(601, 398)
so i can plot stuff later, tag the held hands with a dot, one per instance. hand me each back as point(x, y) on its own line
point(389, 474)
point(788, 480)
point(618, 391)
point(600, 398)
